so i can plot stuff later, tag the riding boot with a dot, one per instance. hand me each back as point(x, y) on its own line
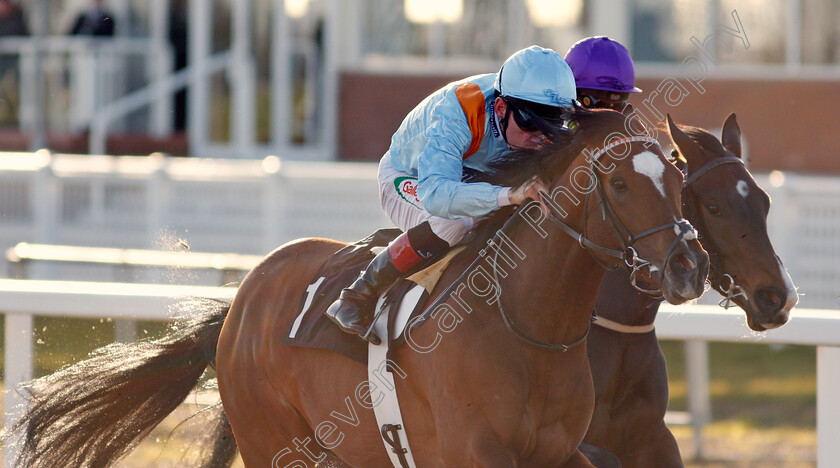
point(410, 252)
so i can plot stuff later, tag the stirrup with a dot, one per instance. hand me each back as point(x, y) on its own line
point(370, 332)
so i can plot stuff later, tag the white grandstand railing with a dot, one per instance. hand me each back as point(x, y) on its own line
point(242, 206)
point(252, 206)
point(21, 299)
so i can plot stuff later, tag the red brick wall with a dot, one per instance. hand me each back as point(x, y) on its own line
point(372, 108)
point(788, 125)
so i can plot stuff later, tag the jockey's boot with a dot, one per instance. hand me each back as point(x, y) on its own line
point(410, 252)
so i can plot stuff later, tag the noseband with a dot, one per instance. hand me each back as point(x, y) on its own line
point(626, 238)
point(722, 282)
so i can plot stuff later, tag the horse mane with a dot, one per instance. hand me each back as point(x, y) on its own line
point(549, 162)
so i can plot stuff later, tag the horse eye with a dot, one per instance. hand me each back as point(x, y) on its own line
point(713, 209)
point(619, 185)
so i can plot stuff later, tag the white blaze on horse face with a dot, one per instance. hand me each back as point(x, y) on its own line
point(650, 165)
point(743, 188)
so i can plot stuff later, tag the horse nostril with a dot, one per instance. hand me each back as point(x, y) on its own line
point(682, 263)
point(769, 299)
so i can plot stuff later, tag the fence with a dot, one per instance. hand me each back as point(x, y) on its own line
point(242, 206)
point(251, 207)
point(93, 72)
point(127, 264)
point(21, 299)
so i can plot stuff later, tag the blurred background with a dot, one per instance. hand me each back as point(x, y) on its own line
point(232, 126)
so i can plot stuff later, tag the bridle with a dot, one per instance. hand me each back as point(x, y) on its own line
point(722, 282)
point(627, 254)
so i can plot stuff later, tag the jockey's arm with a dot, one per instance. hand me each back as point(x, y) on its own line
point(439, 185)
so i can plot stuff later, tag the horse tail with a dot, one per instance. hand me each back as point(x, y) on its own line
point(224, 445)
point(94, 412)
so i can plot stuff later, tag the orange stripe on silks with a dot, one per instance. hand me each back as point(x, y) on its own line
point(472, 102)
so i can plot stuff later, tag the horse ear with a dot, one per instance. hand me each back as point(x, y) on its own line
point(628, 109)
point(685, 145)
point(731, 135)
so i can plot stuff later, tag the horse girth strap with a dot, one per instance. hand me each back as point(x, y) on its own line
point(620, 327)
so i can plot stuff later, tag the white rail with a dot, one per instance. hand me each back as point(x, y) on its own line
point(810, 327)
point(21, 299)
point(251, 207)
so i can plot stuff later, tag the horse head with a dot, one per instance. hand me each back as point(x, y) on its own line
point(730, 211)
point(620, 197)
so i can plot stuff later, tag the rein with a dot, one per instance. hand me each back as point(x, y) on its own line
point(509, 324)
point(515, 329)
point(627, 254)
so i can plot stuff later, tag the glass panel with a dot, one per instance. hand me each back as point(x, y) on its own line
point(820, 31)
point(386, 30)
point(557, 25)
point(479, 33)
point(662, 30)
point(763, 21)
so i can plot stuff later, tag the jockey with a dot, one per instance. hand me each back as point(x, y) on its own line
point(465, 124)
point(604, 73)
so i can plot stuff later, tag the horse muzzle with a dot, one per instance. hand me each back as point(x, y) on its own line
point(685, 272)
point(768, 305)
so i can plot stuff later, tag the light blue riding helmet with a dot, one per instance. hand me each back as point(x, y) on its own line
point(537, 75)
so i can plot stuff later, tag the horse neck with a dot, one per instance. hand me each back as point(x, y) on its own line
point(620, 302)
point(555, 277)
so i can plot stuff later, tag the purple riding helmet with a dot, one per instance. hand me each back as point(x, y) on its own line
point(604, 72)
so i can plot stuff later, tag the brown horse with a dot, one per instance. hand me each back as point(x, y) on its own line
point(499, 378)
point(480, 395)
point(723, 201)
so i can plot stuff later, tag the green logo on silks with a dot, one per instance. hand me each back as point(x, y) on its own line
point(407, 188)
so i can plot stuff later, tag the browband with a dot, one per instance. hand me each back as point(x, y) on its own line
point(632, 139)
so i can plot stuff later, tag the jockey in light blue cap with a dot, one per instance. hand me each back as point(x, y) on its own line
point(604, 72)
point(464, 125)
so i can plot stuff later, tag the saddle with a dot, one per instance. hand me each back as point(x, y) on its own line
point(405, 300)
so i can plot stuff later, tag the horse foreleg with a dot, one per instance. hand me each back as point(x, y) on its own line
point(656, 448)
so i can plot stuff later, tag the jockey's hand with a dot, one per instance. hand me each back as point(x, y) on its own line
point(530, 189)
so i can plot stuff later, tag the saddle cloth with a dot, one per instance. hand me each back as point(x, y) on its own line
point(313, 329)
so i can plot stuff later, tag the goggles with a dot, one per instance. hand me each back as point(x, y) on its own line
point(591, 102)
point(532, 120)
